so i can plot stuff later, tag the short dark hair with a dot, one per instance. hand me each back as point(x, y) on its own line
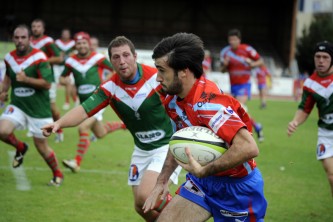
point(120, 41)
point(39, 20)
point(235, 32)
point(184, 50)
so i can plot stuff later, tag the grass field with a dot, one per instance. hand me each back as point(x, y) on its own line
point(295, 183)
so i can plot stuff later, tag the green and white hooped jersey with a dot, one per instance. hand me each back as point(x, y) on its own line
point(138, 105)
point(34, 102)
point(319, 90)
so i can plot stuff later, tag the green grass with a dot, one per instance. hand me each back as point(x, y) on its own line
point(300, 193)
point(6, 47)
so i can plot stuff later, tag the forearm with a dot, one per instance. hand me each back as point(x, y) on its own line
point(37, 83)
point(73, 118)
point(243, 149)
point(56, 60)
point(300, 117)
point(169, 166)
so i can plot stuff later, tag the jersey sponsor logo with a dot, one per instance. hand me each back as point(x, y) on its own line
point(328, 118)
point(150, 136)
point(133, 174)
point(190, 186)
point(9, 110)
point(205, 99)
point(24, 92)
point(321, 149)
point(219, 119)
point(234, 214)
point(86, 89)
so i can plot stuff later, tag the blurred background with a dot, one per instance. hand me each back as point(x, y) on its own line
point(278, 30)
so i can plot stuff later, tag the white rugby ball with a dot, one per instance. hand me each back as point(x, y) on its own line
point(205, 146)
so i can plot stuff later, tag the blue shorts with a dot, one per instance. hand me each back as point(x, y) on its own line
point(241, 90)
point(228, 199)
point(262, 86)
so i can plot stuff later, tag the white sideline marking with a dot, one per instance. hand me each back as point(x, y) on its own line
point(110, 172)
point(22, 182)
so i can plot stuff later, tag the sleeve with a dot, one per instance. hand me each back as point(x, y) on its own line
point(45, 71)
point(220, 115)
point(307, 103)
point(53, 50)
point(67, 71)
point(106, 64)
point(97, 101)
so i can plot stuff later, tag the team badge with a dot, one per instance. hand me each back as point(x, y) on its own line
point(133, 174)
point(321, 149)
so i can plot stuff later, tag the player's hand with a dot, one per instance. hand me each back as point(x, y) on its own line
point(248, 61)
point(192, 166)
point(159, 192)
point(226, 61)
point(3, 96)
point(21, 76)
point(50, 128)
point(292, 126)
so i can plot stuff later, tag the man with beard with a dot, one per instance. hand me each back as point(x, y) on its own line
point(45, 43)
point(29, 75)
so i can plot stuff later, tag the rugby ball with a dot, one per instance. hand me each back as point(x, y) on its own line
point(205, 146)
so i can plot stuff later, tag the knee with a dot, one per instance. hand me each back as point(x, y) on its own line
point(4, 133)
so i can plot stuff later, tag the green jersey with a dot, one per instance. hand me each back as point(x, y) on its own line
point(34, 102)
point(138, 105)
point(87, 72)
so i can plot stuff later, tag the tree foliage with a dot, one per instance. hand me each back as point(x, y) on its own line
point(320, 29)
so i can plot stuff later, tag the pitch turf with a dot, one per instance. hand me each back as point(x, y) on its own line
point(295, 183)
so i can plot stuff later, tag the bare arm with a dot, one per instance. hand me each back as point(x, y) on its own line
point(72, 118)
point(56, 59)
point(243, 148)
point(4, 88)
point(299, 118)
point(161, 188)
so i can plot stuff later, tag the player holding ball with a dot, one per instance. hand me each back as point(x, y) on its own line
point(229, 188)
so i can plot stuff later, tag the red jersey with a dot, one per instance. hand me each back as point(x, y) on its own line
point(206, 106)
point(262, 74)
point(239, 70)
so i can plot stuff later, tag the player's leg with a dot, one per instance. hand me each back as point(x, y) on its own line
point(144, 170)
point(325, 153)
point(141, 192)
point(13, 118)
point(55, 111)
point(328, 167)
point(83, 145)
point(51, 160)
point(44, 149)
point(181, 209)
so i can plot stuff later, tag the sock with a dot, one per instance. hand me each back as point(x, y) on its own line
point(161, 204)
point(67, 99)
point(110, 127)
point(82, 147)
point(52, 161)
point(12, 140)
point(60, 131)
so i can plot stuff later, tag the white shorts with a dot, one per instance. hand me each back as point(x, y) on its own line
point(23, 121)
point(149, 160)
point(53, 92)
point(57, 71)
point(99, 115)
point(324, 144)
